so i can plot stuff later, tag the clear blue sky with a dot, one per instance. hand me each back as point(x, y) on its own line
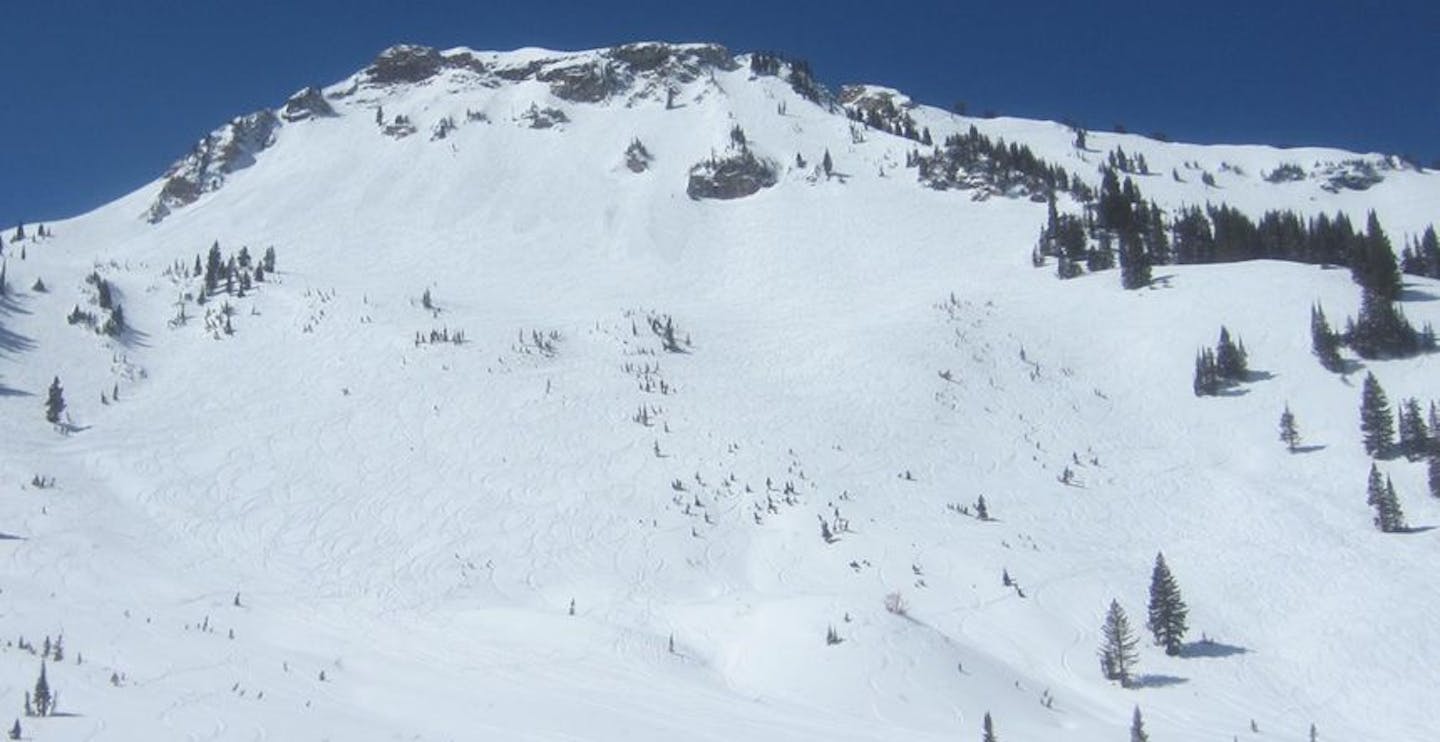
point(100, 96)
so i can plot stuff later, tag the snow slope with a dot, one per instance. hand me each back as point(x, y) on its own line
point(415, 520)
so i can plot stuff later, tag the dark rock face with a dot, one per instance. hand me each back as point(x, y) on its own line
point(230, 148)
point(405, 63)
point(584, 83)
point(685, 63)
point(306, 104)
point(738, 175)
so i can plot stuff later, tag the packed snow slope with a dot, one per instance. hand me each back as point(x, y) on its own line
point(316, 526)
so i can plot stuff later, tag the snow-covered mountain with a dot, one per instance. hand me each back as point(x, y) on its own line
point(588, 392)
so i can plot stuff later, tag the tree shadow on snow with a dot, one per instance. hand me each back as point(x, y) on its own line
point(1157, 681)
point(1310, 449)
point(1252, 376)
point(1410, 294)
point(133, 338)
point(1232, 392)
point(1416, 529)
point(1161, 282)
point(14, 342)
point(1211, 648)
point(6, 391)
point(10, 537)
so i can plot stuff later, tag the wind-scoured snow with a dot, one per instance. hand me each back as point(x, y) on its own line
point(414, 520)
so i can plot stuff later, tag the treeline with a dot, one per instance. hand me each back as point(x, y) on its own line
point(1121, 216)
point(1120, 225)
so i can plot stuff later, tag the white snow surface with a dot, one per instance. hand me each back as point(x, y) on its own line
point(414, 521)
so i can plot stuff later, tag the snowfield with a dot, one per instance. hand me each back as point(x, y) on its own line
point(317, 527)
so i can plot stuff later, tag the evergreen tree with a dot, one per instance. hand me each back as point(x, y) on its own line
point(54, 401)
point(1433, 471)
point(1377, 425)
point(1380, 494)
point(1134, 263)
point(987, 727)
point(1414, 434)
point(1137, 728)
point(42, 698)
point(268, 261)
point(1167, 609)
point(15, 730)
point(1288, 432)
point(1324, 343)
point(1372, 263)
point(1230, 361)
point(1207, 375)
point(1382, 331)
point(1388, 515)
point(827, 164)
point(213, 267)
point(1117, 648)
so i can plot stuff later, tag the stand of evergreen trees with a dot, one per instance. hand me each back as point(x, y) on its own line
point(1224, 366)
point(972, 158)
point(1120, 221)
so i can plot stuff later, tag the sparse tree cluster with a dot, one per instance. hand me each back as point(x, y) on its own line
point(882, 114)
point(232, 274)
point(1380, 495)
point(1226, 365)
point(972, 159)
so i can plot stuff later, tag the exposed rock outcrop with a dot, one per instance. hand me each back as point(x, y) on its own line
point(232, 147)
point(306, 104)
point(737, 175)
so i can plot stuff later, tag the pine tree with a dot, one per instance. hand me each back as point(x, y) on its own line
point(42, 696)
point(1433, 472)
point(1414, 434)
point(1167, 609)
point(827, 164)
point(1377, 425)
point(1324, 343)
point(1230, 361)
point(1434, 427)
point(1137, 728)
point(987, 727)
point(54, 402)
point(1380, 494)
point(1207, 375)
point(15, 730)
point(213, 266)
point(1117, 648)
point(1391, 518)
point(1288, 432)
point(268, 261)
point(1134, 262)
